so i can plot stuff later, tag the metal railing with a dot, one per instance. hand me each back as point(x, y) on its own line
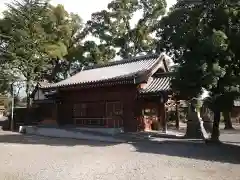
point(99, 122)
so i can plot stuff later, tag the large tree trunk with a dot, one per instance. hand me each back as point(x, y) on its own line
point(164, 119)
point(28, 102)
point(195, 128)
point(215, 131)
point(227, 120)
point(27, 93)
point(177, 116)
point(12, 109)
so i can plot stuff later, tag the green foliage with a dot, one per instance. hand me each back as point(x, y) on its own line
point(64, 32)
point(65, 47)
point(202, 36)
point(39, 41)
point(114, 29)
point(4, 82)
point(22, 51)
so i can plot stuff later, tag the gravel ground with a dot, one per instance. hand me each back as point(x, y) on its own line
point(41, 158)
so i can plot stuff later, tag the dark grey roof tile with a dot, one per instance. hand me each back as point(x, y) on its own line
point(157, 84)
point(111, 71)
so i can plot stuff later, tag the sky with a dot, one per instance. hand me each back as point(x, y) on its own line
point(82, 7)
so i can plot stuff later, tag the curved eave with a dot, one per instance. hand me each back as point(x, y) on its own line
point(93, 84)
point(156, 93)
point(157, 85)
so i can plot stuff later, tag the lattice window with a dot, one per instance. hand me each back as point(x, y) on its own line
point(79, 110)
point(114, 108)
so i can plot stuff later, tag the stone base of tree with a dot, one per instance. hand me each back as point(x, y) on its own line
point(229, 128)
point(208, 125)
point(193, 130)
point(22, 130)
point(212, 141)
point(164, 129)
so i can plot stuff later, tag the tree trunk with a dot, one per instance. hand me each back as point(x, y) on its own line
point(55, 70)
point(177, 116)
point(215, 131)
point(12, 108)
point(164, 119)
point(28, 102)
point(227, 120)
point(27, 93)
point(195, 127)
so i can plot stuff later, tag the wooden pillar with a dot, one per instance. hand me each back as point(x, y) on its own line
point(138, 113)
point(163, 117)
point(56, 112)
point(57, 106)
point(163, 113)
point(177, 114)
point(130, 122)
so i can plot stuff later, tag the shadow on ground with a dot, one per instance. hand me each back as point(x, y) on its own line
point(40, 140)
point(226, 153)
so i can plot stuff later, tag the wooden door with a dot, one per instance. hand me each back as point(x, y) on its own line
point(114, 112)
point(65, 113)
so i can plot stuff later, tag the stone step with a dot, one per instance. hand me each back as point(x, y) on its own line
point(64, 133)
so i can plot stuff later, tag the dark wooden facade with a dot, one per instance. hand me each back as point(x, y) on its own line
point(111, 107)
point(44, 105)
point(119, 106)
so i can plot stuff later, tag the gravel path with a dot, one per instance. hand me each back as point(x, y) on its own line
point(38, 158)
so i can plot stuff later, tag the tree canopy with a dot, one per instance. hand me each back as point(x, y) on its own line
point(203, 37)
point(114, 26)
point(40, 41)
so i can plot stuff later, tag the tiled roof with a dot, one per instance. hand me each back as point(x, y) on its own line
point(157, 84)
point(43, 83)
point(118, 70)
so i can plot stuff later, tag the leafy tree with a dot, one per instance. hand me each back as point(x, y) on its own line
point(66, 47)
point(114, 29)
point(4, 82)
point(23, 51)
point(4, 75)
point(203, 37)
point(64, 33)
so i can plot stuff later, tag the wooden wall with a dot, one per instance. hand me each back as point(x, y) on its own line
point(125, 94)
point(44, 113)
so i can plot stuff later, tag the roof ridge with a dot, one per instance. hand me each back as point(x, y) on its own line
point(121, 61)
